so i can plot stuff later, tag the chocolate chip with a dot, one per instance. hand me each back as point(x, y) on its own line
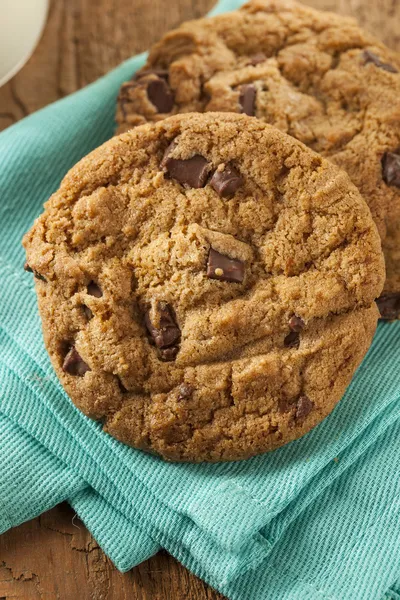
point(168, 354)
point(87, 311)
point(167, 155)
point(391, 168)
point(165, 333)
point(185, 391)
point(370, 57)
point(157, 88)
point(292, 340)
point(192, 172)
point(303, 407)
point(389, 306)
point(256, 59)
point(247, 99)
point(296, 323)
point(160, 94)
point(74, 364)
point(223, 268)
point(226, 182)
point(94, 290)
point(35, 273)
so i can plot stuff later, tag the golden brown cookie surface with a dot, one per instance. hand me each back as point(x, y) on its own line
point(315, 75)
point(207, 286)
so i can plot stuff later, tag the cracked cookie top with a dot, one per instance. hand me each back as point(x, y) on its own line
point(206, 285)
point(315, 75)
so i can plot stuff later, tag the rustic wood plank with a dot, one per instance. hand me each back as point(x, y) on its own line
point(83, 40)
point(53, 557)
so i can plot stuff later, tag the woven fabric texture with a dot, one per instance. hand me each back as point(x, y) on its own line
point(317, 519)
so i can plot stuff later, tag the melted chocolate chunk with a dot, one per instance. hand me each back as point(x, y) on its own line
point(167, 155)
point(296, 323)
point(303, 407)
point(223, 268)
point(391, 168)
point(74, 364)
point(87, 311)
point(35, 273)
point(160, 95)
point(226, 182)
point(168, 354)
point(165, 333)
point(192, 172)
point(247, 99)
point(185, 391)
point(292, 340)
point(158, 90)
point(389, 306)
point(94, 290)
point(257, 59)
point(370, 57)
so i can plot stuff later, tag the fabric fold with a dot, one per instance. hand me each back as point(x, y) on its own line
point(104, 474)
point(316, 519)
point(32, 479)
point(274, 580)
point(248, 488)
point(129, 545)
point(338, 548)
point(170, 526)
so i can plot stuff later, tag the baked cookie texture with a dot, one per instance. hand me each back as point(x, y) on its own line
point(206, 286)
point(389, 302)
point(315, 75)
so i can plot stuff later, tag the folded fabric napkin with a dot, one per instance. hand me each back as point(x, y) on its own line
point(319, 518)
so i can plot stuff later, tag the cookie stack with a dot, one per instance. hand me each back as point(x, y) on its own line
point(207, 279)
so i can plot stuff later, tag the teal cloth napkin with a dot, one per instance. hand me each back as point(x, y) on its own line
point(319, 518)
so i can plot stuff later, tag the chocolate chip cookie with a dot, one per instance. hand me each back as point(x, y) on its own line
point(314, 75)
point(206, 285)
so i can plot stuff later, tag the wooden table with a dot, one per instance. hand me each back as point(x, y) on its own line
point(54, 557)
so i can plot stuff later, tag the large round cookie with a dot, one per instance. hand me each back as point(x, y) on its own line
point(315, 75)
point(206, 285)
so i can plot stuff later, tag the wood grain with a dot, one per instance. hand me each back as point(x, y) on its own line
point(54, 557)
